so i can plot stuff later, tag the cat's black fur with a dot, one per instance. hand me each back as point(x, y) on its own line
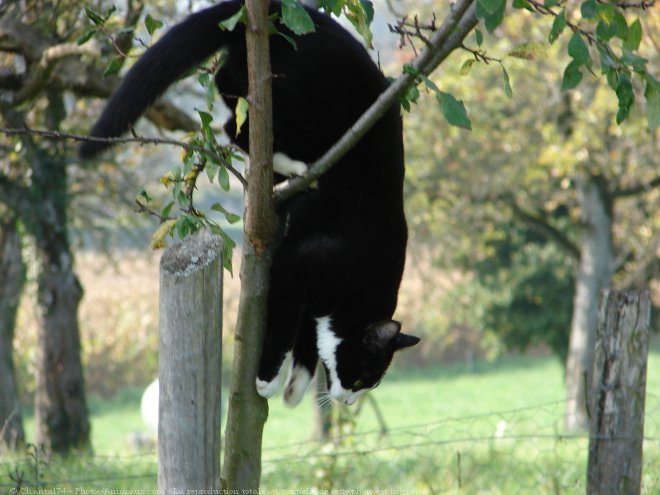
point(338, 265)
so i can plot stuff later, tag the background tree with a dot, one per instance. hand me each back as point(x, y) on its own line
point(551, 182)
point(41, 68)
point(12, 278)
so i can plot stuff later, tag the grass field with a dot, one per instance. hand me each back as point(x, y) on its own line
point(494, 429)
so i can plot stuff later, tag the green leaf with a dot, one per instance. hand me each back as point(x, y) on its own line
point(635, 61)
point(296, 18)
point(522, 4)
point(634, 36)
point(368, 8)
point(242, 106)
point(86, 36)
point(152, 24)
point(144, 195)
point(550, 3)
point(612, 78)
point(578, 50)
point(479, 36)
point(652, 95)
point(605, 12)
point(491, 18)
point(557, 27)
point(206, 82)
point(507, 83)
point(359, 18)
point(95, 17)
point(605, 31)
point(454, 111)
point(109, 12)
point(223, 178)
point(229, 245)
point(430, 84)
point(588, 9)
point(165, 212)
point(272, 29)
point(230, 23)
point(467, 65)
point(624, 93)
point(206, 118)
point(332, 6)
point(410, 96)
point(621, 26)
point(231, 217)
point(113, 66)
point(491, 6)
point(572, 76)
point(606, 61)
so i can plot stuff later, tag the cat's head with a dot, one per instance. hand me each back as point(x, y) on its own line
point(355, 366)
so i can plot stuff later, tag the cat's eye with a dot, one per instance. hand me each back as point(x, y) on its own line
point(358, 384)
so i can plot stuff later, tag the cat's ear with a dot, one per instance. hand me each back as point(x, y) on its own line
point(402, 340)
point(380, 334)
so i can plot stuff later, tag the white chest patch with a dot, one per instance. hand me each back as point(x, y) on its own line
point(327, 343)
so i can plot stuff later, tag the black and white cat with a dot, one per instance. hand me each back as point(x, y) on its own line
point(338, 264)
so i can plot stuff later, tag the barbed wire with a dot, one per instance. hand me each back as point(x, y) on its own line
point(507, 451)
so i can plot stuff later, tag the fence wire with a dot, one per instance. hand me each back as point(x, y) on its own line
point(519, 451)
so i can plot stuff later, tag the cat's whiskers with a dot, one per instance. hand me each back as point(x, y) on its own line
point(324, 401)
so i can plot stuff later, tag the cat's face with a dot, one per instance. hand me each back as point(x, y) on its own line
point(354, 367)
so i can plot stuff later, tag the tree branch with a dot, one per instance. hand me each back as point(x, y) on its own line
point(10, 131)
point(55, 67)
point(546, 228)
point(622, 192)
point(446, 39)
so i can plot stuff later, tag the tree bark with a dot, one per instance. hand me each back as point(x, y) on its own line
point(248, 411)
point(12, 280)
point(619, 392)
point(594, 274)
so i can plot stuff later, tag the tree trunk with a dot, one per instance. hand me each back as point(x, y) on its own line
point(594, 274)
point(60, 405)
point(12, 279)
point(248, 411)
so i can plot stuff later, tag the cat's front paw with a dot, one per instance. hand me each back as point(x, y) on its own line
point(296, 385)
point(284, 165)
point(267, 389)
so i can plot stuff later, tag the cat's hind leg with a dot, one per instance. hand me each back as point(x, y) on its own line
point(303, 366)
point(283, 320)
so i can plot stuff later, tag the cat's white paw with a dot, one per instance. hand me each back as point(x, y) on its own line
point(268, 389)
point(284, 165)
point(296, 385)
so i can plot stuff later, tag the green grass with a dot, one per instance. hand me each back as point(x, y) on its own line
point(495, 428)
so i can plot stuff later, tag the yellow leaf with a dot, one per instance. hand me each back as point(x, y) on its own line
point(158, 239)
point(241, 113)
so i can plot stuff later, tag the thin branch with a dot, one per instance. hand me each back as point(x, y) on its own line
point(132, 139)
point(542, 224)
point(644, 4)
point(448, 37)
point(641, 188)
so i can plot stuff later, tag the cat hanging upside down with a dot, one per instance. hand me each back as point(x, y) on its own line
point(339, 260)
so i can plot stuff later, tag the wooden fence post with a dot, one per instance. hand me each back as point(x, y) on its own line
point(190, 365)
point(618, 394)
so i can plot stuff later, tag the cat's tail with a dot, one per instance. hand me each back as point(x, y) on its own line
point(182, 48)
